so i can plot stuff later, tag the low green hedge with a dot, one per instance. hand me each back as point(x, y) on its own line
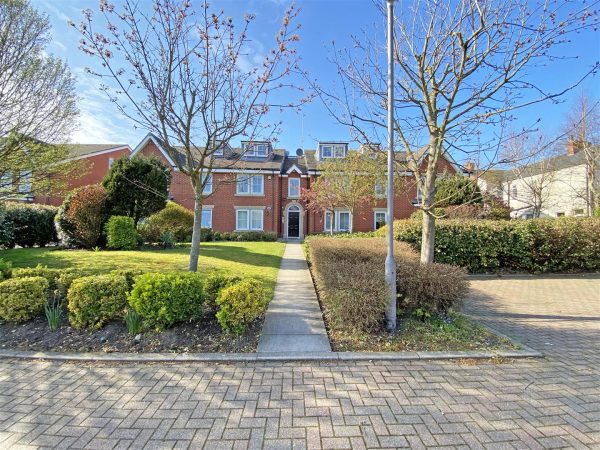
point(537, 245)
point(51, 275)
point(241, 303)
point(29, 225)
point(350, 279)
point(21, 299)
point(162, 299)
point(214, 284)
point(92, 301)
point(245, 236)
point(121, 233)
point(5, 269)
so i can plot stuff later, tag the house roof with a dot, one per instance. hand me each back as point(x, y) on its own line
point(83, 150)
point(550, 164)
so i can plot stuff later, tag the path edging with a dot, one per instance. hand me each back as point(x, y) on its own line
point(264, 357)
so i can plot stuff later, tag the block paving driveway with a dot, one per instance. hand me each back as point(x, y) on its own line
point(539, 403)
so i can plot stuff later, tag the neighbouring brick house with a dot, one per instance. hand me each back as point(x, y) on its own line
point(261, 190)
point(97, 159)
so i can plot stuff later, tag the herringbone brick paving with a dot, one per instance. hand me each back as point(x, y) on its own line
point(542, 403)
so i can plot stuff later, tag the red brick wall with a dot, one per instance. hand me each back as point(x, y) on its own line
point(224, 199)
point(96, 168)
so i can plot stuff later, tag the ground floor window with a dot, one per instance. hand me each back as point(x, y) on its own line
point(249, 219)
point(206, 218)
point(380, 219)
point(341, 223)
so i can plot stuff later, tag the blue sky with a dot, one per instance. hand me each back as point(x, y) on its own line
point(323, 21)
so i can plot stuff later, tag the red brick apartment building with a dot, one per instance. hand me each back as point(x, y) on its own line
point(96, 158)
point(258, 188)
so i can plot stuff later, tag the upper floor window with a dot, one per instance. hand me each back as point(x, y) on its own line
point(514, 191)
point(259, 149)
point(380, 188)
point(294, 187)
point(6, 180)
point(208, 186)
point(25, 182)
point(250, 185)
point(333, 150)
point(111, 161)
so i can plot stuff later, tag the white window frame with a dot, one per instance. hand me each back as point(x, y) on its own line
point(250, 183)
point(380, 189)
point(252, 150)
point(25, 182)
point(208, 187)
point(337, 149)
point(333, 150)
point(111, 161)
point(249, 213)
point(208, 212)
point(6, 181)
point(336, 226)
point(290, 193)
point(514, 191)
point(375, 213)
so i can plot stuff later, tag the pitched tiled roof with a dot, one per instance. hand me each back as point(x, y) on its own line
point(551, 164)
point(79, 150)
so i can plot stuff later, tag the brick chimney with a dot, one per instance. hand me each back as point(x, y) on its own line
point(573, 146)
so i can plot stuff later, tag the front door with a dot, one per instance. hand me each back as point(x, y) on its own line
point(293, 224)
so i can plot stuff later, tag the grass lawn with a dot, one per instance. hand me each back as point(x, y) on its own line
point(259, 260)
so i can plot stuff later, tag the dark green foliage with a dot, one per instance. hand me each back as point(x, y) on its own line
point(213, 285)
point(349, 276)
point(93, 301)
point(245, 236)
point(241, 303)
point(174, 219)
point(21, 299)
point(162, 299)
point(51, 275)
point(80, 219)
point(457, 190)
point(137, 187)
point(121, 233)
point(6, 229)
point(30, 225)
point(537, 245)
point(5, 269)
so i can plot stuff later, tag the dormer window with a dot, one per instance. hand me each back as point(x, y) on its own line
point(257, 149)
point(333, 150)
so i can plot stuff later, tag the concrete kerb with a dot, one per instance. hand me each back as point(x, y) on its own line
point(259, 357)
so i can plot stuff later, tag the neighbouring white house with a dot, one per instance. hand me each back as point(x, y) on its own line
point(552, 187)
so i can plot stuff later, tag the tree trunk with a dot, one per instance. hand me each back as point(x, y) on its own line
point(197, 229)
point(427, 238)
point(332, 222)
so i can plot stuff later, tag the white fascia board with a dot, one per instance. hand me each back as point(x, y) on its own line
point(149, 137)
point(294, 168)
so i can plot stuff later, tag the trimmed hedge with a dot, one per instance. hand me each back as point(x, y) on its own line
point(162, 299)
point(29, 225)
point(51, 275)
point(246, 236)
point(240, 304)
point(21, 299)
point(92, 301)
point(5, 269)
point(121, 233)
point(213, 285)
point(536, 245)
point(349, 276)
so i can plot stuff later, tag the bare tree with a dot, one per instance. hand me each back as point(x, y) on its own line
point(532, 173)
point(583, 128)
point(463, 67)
point(181, 72)
point(37, 101)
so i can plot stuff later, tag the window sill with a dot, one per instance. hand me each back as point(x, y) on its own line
point(249, 195)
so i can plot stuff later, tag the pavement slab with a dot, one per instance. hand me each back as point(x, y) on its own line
point(294, 322)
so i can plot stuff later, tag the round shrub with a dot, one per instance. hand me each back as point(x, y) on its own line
point(121, 233)
point(92, 301)
point(81, 217)
point(21, 299)
point(213, 285)
point(162, 299)
point(129, 274)
point(5, 269)
point(6, 229)
point(39, 271)
point(241, 303)
point(174, 219)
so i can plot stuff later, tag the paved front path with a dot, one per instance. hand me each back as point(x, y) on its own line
point(539, 403)
point(294, 323)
